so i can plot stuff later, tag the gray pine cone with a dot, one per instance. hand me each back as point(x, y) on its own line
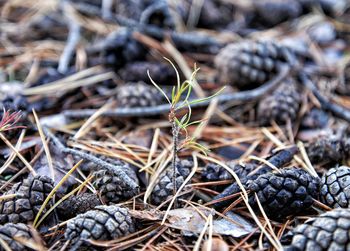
point(10, 231)
point(30, 195)
point(138, 95)
point(328, 231)
point(249, 64)
point(101, 223)
point(282, 105)
point(164, 188)
point(335, 188)
point(111, 187)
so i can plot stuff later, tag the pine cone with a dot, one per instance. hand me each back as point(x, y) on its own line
point(287, 193)
point(30, 195)
point(329, 148)
point(213, 172)
point(138, 95)
point(157, 13)
point(162, 74)
point(164, 188)
point(281, 106)
point(111, 187)
point(328, 231)
point(249, 64)
point(120, 48)
point(335, 188)
point(316, 118)
point(77, 204)
point(282, 10)
point(102, 223)
point(10, 231)
point(252, 172)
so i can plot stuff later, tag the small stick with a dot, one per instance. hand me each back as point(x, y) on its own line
point(103, 164)
point(72, 40)
point(242, 96)
point(337, 110)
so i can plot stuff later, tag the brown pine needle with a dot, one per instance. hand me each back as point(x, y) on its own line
point(45, 145)
point(18, 154)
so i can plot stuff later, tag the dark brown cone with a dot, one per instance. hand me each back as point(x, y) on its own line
point(30, 195)
point(161, 73)
point(287, 193)
point(213, 172)
point(282, 105)
point(249, 64)
point(77, 204)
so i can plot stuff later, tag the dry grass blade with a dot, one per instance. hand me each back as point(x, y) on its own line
point(13, 154)
point(51, 194)
point(310, 167)
point(4, 245)
point(265, 162)
point(89, 122)
point(18, 154)
point(45, 145)
point(7, 196)
point(65, 86)
point(63, 199)
point(208, 222)
point(267, 220)
point(277, 246)
point(154, 178)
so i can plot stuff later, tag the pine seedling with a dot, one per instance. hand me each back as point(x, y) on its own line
point(180, 99)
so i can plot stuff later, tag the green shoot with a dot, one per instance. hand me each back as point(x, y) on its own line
point(180, 98)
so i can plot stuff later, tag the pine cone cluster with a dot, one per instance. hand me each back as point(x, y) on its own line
point(282, 105)
point(286, 193)
point(102, 223)
point(335, 188)
point(10, 232)
point(164, 187)
point(138, 95)
point(328, 231)
point(249, 64)
point(111, 187)
point(77, 204)
point(30, 195)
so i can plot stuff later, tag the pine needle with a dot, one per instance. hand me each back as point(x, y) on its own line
point(51, 194)
point(45, 145)
point(63, 199)
point(18, 154)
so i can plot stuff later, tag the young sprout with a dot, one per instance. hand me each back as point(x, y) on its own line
point(9, 121)
point(180, 99)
